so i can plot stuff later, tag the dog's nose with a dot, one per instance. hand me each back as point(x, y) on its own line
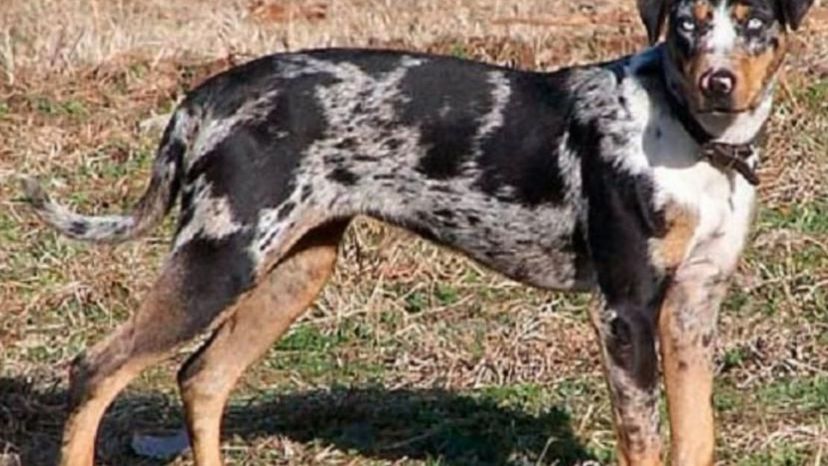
point(717, 83)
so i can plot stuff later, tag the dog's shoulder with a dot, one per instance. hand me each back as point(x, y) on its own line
point(622, 85)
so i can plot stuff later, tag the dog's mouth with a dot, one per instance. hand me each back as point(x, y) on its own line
point(724, 111)
point(725, 107)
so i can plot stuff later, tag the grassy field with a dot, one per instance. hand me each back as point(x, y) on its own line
point(412, 355)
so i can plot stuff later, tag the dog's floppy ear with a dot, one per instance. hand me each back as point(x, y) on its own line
point(793, 11)
point(653, 13)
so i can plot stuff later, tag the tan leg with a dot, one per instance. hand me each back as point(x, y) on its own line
point(201, 281)
point(97, 376)
point(630, 366)
point(207, 379)
point(686, 331)
point(81, 428)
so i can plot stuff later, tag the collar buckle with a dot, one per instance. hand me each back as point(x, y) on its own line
point(731, 157)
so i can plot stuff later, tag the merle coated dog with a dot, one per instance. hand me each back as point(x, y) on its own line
point(633, 178)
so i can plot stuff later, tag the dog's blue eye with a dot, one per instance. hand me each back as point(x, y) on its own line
point(686, 24)
point(755, 24)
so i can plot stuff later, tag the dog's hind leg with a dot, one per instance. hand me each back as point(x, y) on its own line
point(99, 374)
point(260, 318)
point(198, 284)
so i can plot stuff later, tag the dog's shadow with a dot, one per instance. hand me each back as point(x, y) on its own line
point(448, 428)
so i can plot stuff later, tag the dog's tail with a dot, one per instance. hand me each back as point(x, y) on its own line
point(159, 197)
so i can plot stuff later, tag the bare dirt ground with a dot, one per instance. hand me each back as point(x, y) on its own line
point(412, 355)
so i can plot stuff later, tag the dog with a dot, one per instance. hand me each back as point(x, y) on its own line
point(633, 178)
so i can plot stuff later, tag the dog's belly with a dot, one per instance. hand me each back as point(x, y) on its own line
point(538, 244)
point(542, 247)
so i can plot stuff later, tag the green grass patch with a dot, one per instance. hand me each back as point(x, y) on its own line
point(458, 50)
point(526, 396)
point(784, 455)
point(727, 398)
point(54, 108)
point(9, 229)
point(815, 95)
point(416, 302)
point(307, 338)
point(320, 357)
point(796, 395)
point(737, 300)
point(808, 218)
point(446, 294)
point(310, 338)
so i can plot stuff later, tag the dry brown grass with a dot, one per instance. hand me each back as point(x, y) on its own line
point(475, 369)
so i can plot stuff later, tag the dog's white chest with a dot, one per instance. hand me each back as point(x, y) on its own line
point(721, 202)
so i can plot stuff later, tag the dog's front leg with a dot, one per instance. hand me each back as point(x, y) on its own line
point(687, 326)
point(630, 281)
point(627, 336)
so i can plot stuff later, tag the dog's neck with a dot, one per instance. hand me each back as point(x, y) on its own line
point(727, 141)
point(740, 128)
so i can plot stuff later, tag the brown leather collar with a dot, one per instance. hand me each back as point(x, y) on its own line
point(731, 157)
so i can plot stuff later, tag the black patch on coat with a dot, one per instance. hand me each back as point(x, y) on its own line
point(620, 222)
point(343, 176)
point(374, 63)
point(444, 213)
point(78, 228)
point(172, 150)
point(175, 154)
point(187, 209)
point(523, 153)
point(285, 210)
point(227, 91)
point(444, 98)
point(306, 192)
point(392, 144)
point(215, 273)
point(578, 247)
point(254, 167)
point(683, 42)
point(348, 143)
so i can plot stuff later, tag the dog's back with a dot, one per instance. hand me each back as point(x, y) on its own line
point(473, 156)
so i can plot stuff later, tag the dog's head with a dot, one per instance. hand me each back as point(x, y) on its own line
point(724, 53)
